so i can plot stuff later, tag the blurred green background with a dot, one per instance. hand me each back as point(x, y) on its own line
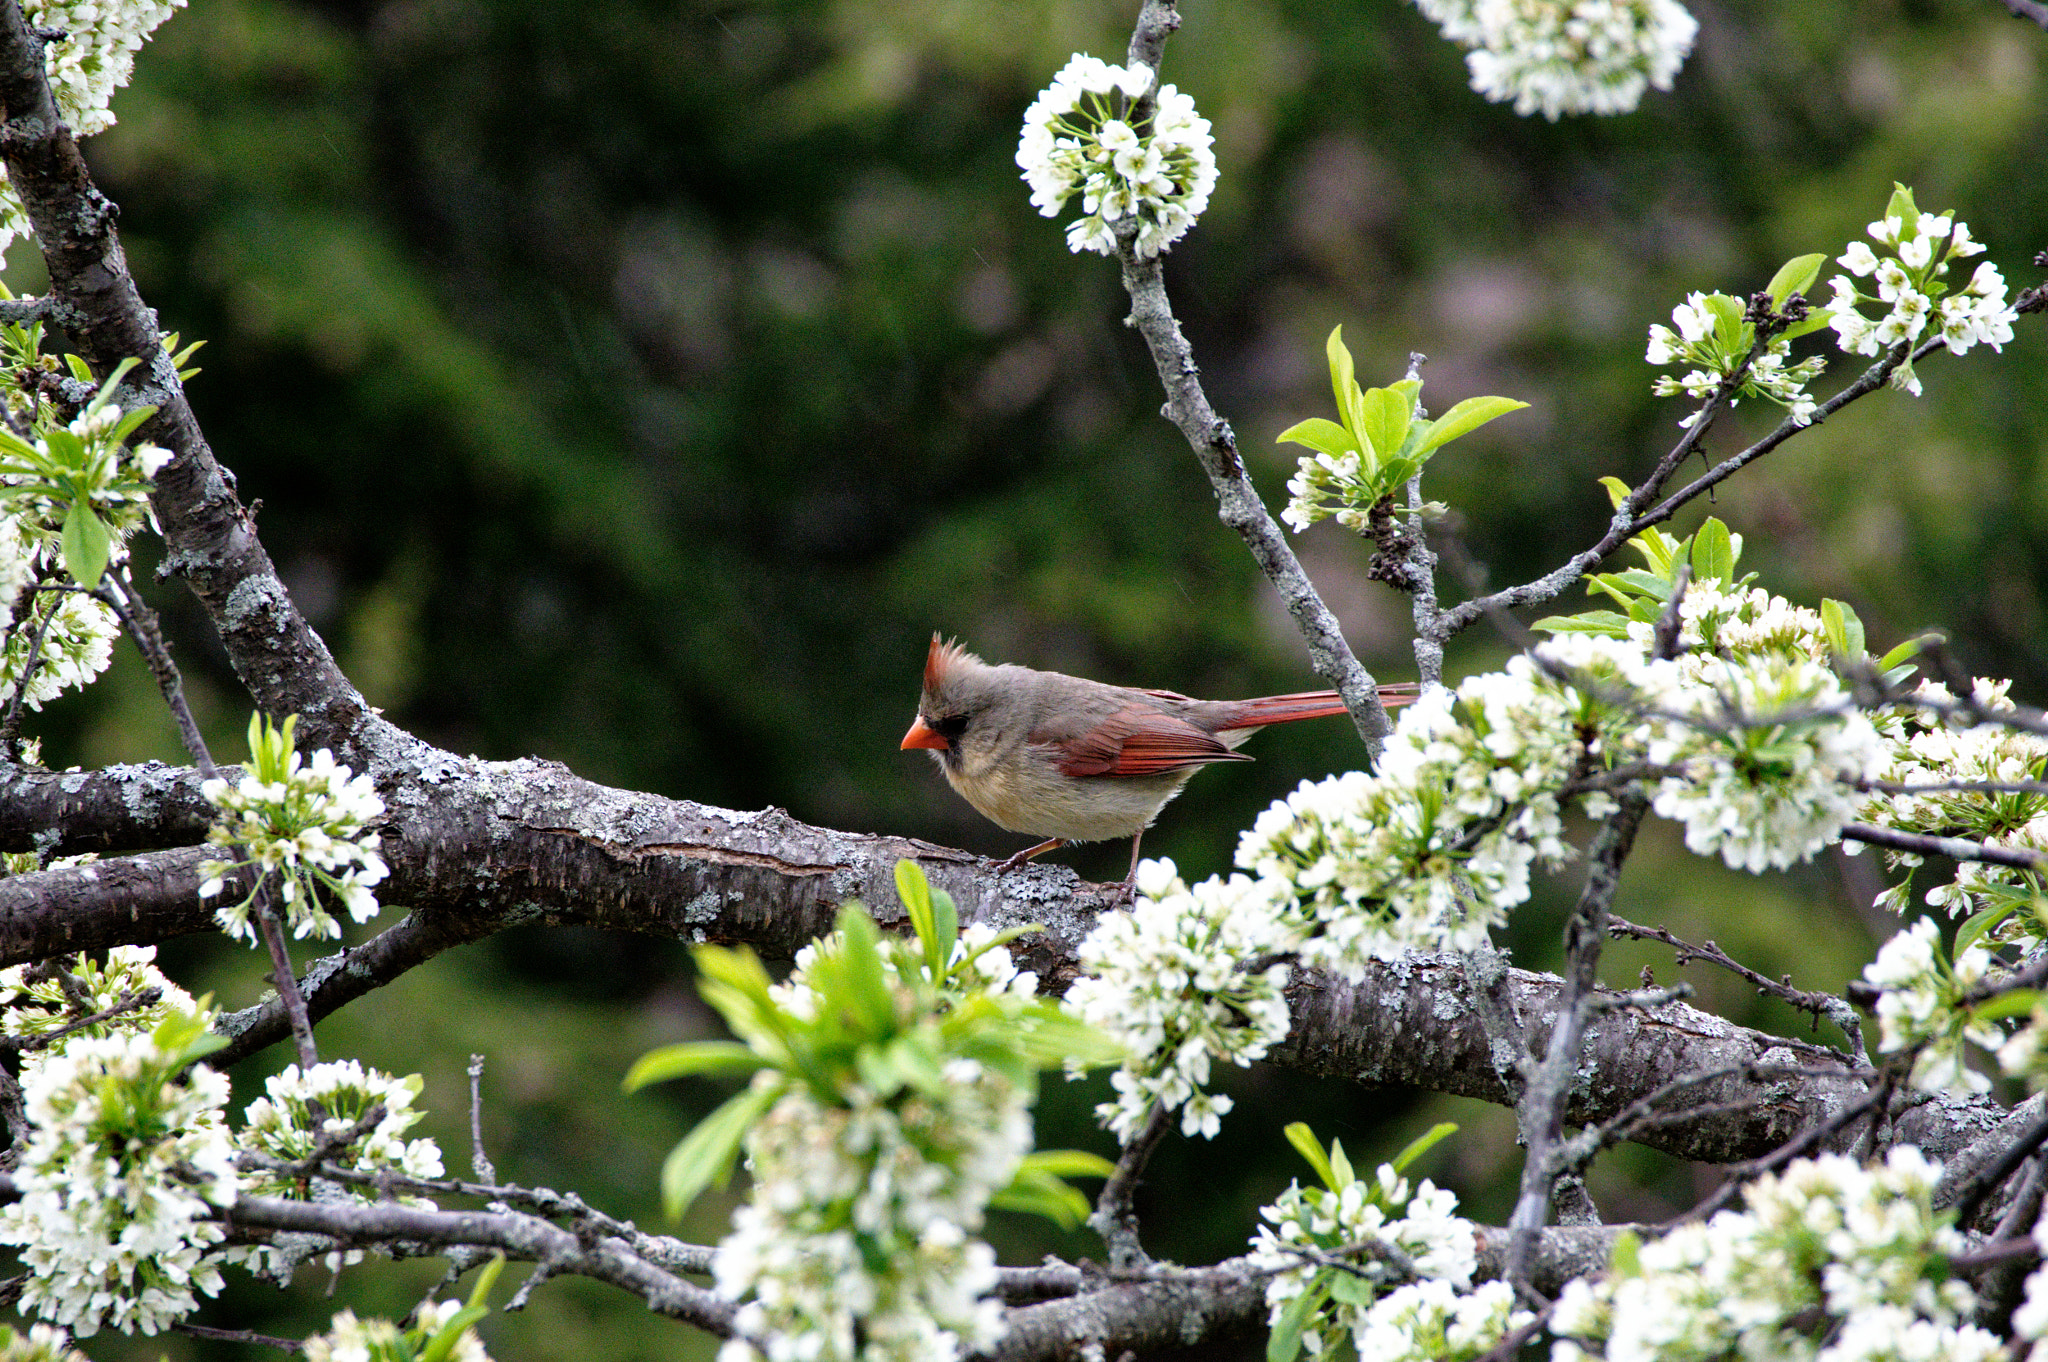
point(640, 385)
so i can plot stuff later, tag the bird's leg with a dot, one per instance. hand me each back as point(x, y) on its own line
point(1016, 862)
point(1128, 890)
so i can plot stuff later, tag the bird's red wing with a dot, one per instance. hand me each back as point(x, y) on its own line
point(1140, 742)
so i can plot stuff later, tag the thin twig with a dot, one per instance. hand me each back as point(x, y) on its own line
point(1954, 848)
point(1631, 519)
point(286, 1345)
point(1829, 1005)
point(1540, 1114)
point(287, 982)
point(1115, 1217)
point(479, 1161)
point(1215, 445)
point(118, 591)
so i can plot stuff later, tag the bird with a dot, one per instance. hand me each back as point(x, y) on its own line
point(1073, 760)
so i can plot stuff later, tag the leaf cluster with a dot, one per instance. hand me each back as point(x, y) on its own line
point(1337, 1283)
point(72, 477)
point(881, 1017)
point(1380, 441)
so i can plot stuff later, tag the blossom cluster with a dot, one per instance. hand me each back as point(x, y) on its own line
point(1921, 1007)
point(1826, 1242)
point(93, 58)
point(36, 1002)
point(1567, 56)
point(1431, 850)
point(1717, 347)
point(86, 461)
point(349, 1339)
point(38, 1343)
point(1308, 1229)
point(1168, 980)
point(70, 634)
point(1934, 747)
point(1763, 794)
point(125, 1162)
point(855, 1241)
point(1091, 133)
point(301, 822)
point(129, 1151)
point(349, 1116)
point(895, 1104)
point(1919, 248)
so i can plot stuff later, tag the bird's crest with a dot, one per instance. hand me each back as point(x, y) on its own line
point(945, 655)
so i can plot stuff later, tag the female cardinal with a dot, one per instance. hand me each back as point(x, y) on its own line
point(1078, 761)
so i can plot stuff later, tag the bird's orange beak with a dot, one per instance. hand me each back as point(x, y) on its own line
point(922, 734)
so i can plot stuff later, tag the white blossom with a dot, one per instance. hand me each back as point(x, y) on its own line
point(1715, 356)
point(1307, 1227)
point(71, 634)
point(93, 59)
point(1921, 1007)
point(1827, 1239)
point(1567, 56)
point(349, 1339)
point(124, 1163)
point(1080, 137)
point(1910, 283)
point(36, 1003)
point(855, 1242)
point(1167, 980)
point(304, 826)
point(1768, 750)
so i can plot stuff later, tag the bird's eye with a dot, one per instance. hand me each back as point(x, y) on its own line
point(949, 726)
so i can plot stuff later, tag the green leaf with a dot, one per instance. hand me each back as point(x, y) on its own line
point(1606, 623)
point(1049, 1037)
point(1978, 923)
point(474, 1311)
point(1816, 320)
point(946, 925)
point(1422, 1144)
point(1617, 490)
point(1795, 276)
point(861, 955)
point(1843, 629)
point(1033, 1194)
point(1340, 1167)
point(1309, 1147)
point(1069, 1163)
point(1469, 416)
point(80, 370)
point(1319, 434)
point(1901, 206)
point(1284, 1343)
point(691, 1057)
point(1348, 1288)
point(87, 545)
point(1727, 320)
point(1627, 1258)
point(707, 1154)
point(915, 891)
point(1385, 423)
point(2016, 1002)
point(1659, 550)
point(1713, 553)
point(1344, 381)
point(1910, 648)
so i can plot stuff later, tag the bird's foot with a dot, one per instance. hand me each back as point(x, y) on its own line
point(1017, 862)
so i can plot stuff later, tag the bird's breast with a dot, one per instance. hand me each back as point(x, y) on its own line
point(1027, 793)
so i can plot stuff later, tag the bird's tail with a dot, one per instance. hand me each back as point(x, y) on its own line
point(1309, 704)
